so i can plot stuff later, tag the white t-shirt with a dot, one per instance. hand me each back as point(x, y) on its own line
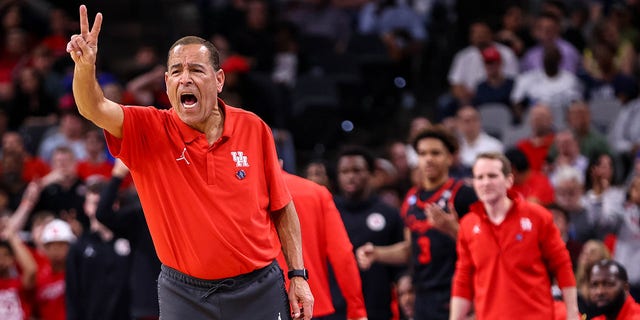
point(468, 67)
point(558, 91)
point(484, 143)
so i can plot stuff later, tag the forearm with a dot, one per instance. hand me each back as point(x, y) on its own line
point(288, 228)
point(25, 260)
point(459, 308)
point(570, 298)
point(87, 92)
point(395, 254)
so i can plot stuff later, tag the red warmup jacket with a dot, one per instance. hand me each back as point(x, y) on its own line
point(630, 311)
point(324, 238)
point(504, 269)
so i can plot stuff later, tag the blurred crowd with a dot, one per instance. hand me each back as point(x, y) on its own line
point(553, 84)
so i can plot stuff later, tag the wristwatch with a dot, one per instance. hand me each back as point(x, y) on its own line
point(303, 273)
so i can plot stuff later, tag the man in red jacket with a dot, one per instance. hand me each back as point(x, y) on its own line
point(324, 238)
point(609, 292)
point(507, 247)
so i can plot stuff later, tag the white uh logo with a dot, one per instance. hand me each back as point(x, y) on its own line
point(239, 158)
point(182, 156)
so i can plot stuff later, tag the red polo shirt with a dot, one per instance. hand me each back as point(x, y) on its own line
point(207, 206)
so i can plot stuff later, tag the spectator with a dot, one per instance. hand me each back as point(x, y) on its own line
point(623, 223)
point(566, 152)
point(515, 32)
point(604, 196)
point(468, 69)
point(547, 30)
point(406, 297)
point(473, 140)
point(623, 136)
point(568, 184)
point(609, 292)
point(549, 84)
point(70, 133)
point(97, 164)
point(607, 82)
point(63, 190)
point(589, 139)
point(536, 147)
point(31, 105)
point(606, 33)
point(497, 87)
point(33, 166)
point(17, 277)
point(532, 185)
point(56, 237)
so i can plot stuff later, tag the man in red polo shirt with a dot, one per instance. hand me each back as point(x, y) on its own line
point(507, 247)
point(210, 185)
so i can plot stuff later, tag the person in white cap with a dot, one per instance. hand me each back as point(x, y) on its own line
point(56, 238)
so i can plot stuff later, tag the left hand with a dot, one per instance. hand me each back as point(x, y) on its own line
point(300, 294)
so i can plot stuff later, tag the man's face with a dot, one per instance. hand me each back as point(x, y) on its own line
point(434, 158)
point(605, 287)
point(193, 84)
point(489, 181)
point(568, 194)
point(353, 175)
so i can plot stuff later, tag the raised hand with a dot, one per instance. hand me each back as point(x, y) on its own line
point(83, 47)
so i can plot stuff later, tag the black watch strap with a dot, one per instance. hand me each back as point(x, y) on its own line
point(303, 273)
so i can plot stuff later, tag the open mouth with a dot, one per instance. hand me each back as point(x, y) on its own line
point(188, 100)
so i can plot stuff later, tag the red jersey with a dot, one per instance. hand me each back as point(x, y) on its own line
point(34, 168)
point(208, 207)
point(13, 300)
point(536, 186)
point(536, 153)
point(504, 269)
point(87, 169)
point(50, 287)
point(630, 311)
point(324, 238)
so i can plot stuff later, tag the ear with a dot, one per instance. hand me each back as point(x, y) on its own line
point(220, 80)
point(509, 181)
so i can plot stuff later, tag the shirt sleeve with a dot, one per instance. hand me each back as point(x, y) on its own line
point(463, 276)
point(340, 254)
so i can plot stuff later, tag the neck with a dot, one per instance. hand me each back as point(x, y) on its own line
point(497, 210)
point(431, 184)
point(214, 129)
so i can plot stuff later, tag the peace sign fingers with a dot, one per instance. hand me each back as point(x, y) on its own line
point(83, 47)
point(90, 36)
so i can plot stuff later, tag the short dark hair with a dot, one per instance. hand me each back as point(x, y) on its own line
point(214, 54)
point(554, 206)
point(605, 264)
point(438, 132)
point(357, 150)
point(518, 159)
